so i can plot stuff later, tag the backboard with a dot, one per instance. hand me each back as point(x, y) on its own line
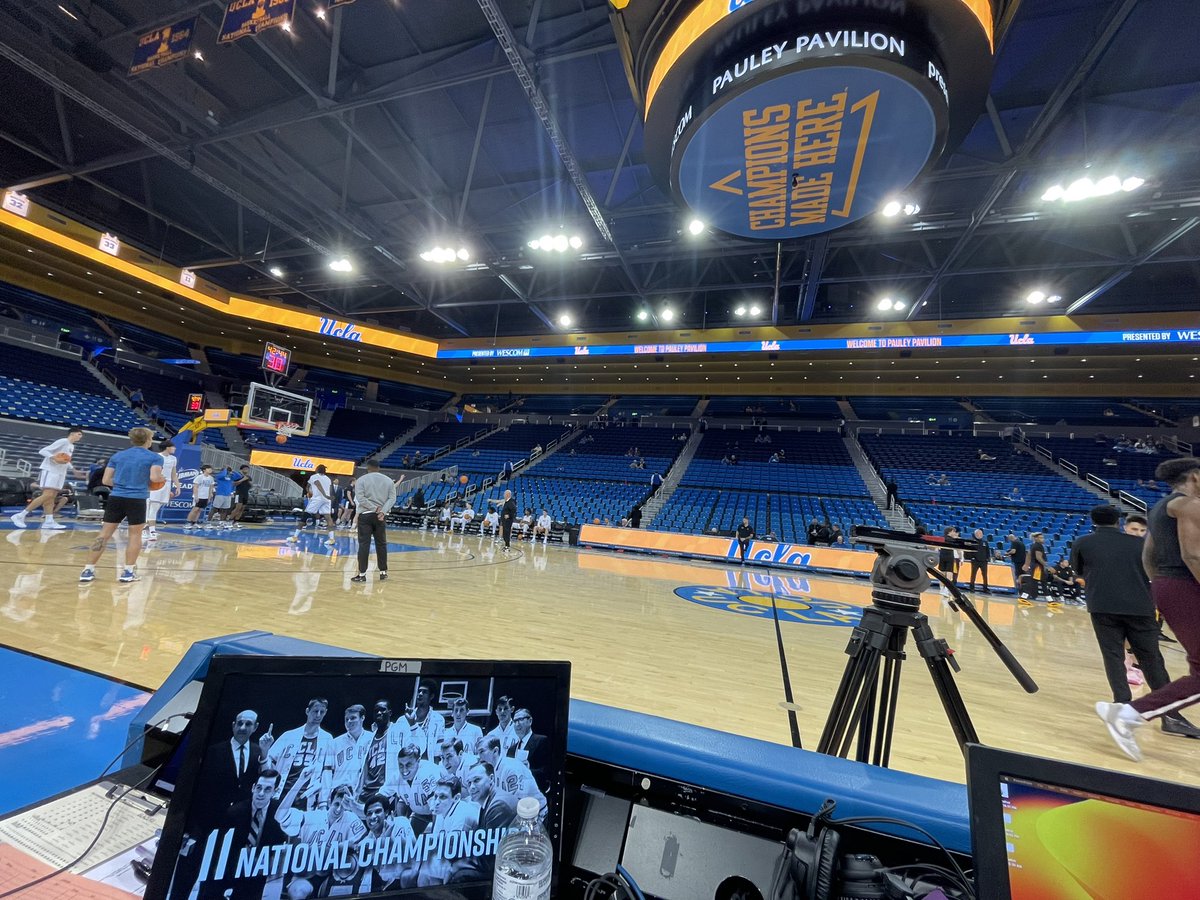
point(276, 409)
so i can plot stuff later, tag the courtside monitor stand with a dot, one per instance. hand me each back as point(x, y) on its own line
point(277, 410)
point(207, 851)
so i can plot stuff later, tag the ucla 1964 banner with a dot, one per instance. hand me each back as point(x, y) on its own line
point(162, 46)
point(246, 17)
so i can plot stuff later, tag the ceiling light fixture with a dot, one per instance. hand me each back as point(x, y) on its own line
point(341, 265)
point(565, 320)
point(643, 315)
point(1086, 189)
point(884, 304)
point(696, 227)
point(276, 271)
point(556, 243)
point(667, 314)
point(895, 207)
point(443, 255)
point(755, 310)
point(740, 311)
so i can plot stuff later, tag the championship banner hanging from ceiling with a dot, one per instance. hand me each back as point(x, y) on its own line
point(162, 46)
point(246, 17)
point(340, 2)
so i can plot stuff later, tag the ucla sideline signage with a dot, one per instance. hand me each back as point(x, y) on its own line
point(780, 119)
point(299, 462)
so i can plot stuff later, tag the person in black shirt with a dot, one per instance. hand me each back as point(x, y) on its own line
point(241, 490)
point(1016, 556)
point(891, 487)
point(635, 517)
point(813, 533)
point(1037, 571)
point(979, 560)
point(508, 515)
point(1117, 593)
point(745, 534)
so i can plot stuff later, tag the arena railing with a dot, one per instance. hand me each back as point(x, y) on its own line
point(263, 478)
point(1098, 482)
point(1136, 502)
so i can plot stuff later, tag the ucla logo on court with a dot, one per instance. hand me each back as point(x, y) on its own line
point(807, 610)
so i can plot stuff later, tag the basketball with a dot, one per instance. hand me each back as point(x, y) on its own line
point(62, 457)
point(157, 484)
point(281, 438)
point(462, 479)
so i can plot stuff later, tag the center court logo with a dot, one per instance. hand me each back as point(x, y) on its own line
point(806, 610)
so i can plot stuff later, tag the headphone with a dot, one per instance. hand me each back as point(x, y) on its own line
point(811, 860)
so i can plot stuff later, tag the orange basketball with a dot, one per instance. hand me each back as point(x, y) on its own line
point(157, 483)
point(281, 438)
point(462, 479)
point(62, 457)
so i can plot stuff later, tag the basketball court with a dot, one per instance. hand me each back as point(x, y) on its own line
point(688, 641)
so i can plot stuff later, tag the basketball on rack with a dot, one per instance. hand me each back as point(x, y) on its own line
point(281, 437)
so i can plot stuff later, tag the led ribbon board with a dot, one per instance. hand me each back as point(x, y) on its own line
point(778, 119)
point(896, 342)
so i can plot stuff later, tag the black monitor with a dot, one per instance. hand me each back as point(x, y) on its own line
point(1048, 830)
point(310, 803)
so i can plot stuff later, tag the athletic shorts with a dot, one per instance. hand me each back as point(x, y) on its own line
point(52, 481)
point(200, 504)
point(225, 502)
point(125, 509)
point(242, 497)
point(162, 495)
point(318, 507)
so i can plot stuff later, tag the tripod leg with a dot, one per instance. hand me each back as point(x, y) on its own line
point(889, 692)
point(936, 654)
point(858, 681)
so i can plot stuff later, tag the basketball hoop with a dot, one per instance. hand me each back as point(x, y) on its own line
point(283, 431)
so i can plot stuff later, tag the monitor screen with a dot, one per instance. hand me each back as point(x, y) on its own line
point(353, 777)
point(1047, 830)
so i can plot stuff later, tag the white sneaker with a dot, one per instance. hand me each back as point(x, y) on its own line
point(18, 519)
point(1121, 728)
point(51, 525)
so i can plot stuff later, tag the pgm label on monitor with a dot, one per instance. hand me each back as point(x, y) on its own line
point(400, 666)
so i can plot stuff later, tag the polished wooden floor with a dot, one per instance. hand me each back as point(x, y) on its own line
point(633, 642)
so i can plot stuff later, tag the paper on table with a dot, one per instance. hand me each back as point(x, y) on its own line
point(17, 868)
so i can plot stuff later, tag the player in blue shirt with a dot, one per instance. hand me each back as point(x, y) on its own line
point(130, 473)
point(222, 505)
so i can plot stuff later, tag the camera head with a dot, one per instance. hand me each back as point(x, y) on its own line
point(901, 571)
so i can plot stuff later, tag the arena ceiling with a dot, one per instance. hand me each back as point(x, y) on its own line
point(382, 128)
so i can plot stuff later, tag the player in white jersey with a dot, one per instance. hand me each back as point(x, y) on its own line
point(460, 728)
point(510, 775)
point(505, 730)
point(163, 495)
point(56, 462)
point(350, 749)
point(463, 518)
point(542, 527)
point(203, 486)
point(491, 522)
point(320, 500)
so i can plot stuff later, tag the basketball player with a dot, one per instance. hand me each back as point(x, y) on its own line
point(202, 491)
point(320, 501)
point(414, 783)
point(463, 518)
point(129, 474)
point(1171, 557)
point(1136, 525)
point(241, 492)
point(542, 527)
point(56, 460)
point(305, 751)
point(504, 729)
point(222, 503)
point(163, 495)
point(460, 729)
point(1035, 568)
point(450, 813)
point(525, 523)
point(508, 515)
point(396, 831)
point(376, 496)
point(491, 522)
point(431, 723)
point(510, 776)
point(323, 830)
point(350, 749)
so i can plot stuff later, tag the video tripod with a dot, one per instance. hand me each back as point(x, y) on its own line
point(865, 703)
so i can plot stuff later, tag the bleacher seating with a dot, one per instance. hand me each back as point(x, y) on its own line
point(488, 456)
point(566, 499)
point(59, 406)
point(1065, 410)
point(166, 390)
point(979, 492)
point(1173, 408)
point(565, 405)
point(149, 342)
point(412, 396)
point(653, 406)
point(1122, 468)
point(814, 409)
point(19, 444)
point(906, 409)
point(605, 454)
point(316, 445)
point(429, 440)
point(358, 425)
point(241, 369)
point(50, 369)
point(325, 381)
point(816, 480)
point(40, 311)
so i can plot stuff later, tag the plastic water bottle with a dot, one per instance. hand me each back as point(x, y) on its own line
point(525, 858)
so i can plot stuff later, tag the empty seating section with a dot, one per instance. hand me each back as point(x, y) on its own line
point(488, 456)
point(315, 445)
point(572, 404)
point(90, 450)
point(1122, 468)
point(905, 409)
point(40, 311)
point(324, 380)
point(149, 342)
point(489, 403)
point(166, 391)
point(606, 454)
point(979, 492)
point(430, 439)
point(816, 479)
point(1173, 408)
point(1069, 411)
point(823, 409)
point(48, 369)
point(43, 403)
point(412, 396)
point(242, 369)
point(358, 425)
point(653, 406)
